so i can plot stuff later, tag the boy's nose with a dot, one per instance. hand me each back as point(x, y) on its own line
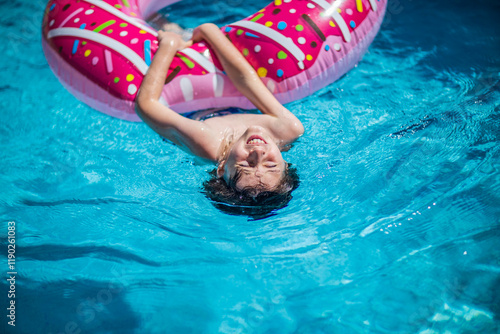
point(255, 155)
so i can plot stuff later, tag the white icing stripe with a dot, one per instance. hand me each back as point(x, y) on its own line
point(163, 101)
point(218, 84)
point(187, 89)
point(110, 9)
point(70, 16)
point(373, 4)
point(331, 10)
point(200, 59)
point(112, 44)
point(282, 40)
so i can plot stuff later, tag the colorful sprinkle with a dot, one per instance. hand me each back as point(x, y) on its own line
point(348, 11)
point(257, 48)
point(336, 46)
point(88, 12)
point(108, 60)
point(110, 31)
point(75, 46)
point(82, 26)
point(262, 72)
point(309, 57)
point(327, 47)
point(133, 14)
point(77, 20)
point(310, 5)
point(51, 23)
point(279, 73)
point(313, 44)
point(270, 61)
point(104, 25)
point(359, 6)
point(147, 52)
point(299, 27)
point(172, 74)
point(352, 24)
point(129, 77)
point(66, 7)
point(125, 3)
point(134, 40)
point(277, 2)
point(268, 24)
point(301, 40)
point(287, 1)
point(239, 32)
point(118, 6)
point(293, 10)
point(276, 11)
point(245, 52)
point(282, 55)
point(228, 29)
point(132, 89)
point(142, 31)
point(53, 6)
point(314, 26)
point(258, 16)
point(187, 61)
point(124, 33)
point(249, 34)
point(332, 24)
point(123, 25)
point(281, 25)
point(95, 60)
point(84, 43)
point(87, 53)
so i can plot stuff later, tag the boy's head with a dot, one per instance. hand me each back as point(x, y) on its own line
point(252, 175)
point(253, 161)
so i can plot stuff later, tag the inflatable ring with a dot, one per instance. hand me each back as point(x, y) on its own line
point(101, 49)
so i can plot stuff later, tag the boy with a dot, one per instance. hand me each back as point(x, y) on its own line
point(247, 147)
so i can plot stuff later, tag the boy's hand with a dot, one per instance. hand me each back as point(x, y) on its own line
point(199, 32)
point(172, 40)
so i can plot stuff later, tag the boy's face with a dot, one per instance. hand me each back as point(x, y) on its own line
point(257, 158)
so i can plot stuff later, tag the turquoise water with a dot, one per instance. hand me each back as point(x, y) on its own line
point(394, 228)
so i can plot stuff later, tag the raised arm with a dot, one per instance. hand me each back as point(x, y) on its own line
point(148, 106)
point(244, 77)
point(187, 133)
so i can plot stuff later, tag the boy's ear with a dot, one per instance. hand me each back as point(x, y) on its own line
point(220, 169)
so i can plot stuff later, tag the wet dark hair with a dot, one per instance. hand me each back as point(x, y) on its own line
point(255, 202)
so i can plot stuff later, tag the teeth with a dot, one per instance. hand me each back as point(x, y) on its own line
point(256, 141)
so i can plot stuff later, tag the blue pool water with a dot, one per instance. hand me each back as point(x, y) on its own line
point(394, 228)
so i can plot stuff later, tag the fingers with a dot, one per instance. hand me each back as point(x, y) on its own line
point(197, 35)
point(172, 40)
point(188, 44)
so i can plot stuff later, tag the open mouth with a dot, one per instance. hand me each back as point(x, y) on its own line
point(255, 140)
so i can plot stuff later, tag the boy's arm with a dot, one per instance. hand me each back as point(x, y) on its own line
point(245, 78)
point(149, 108)
point(182, 131)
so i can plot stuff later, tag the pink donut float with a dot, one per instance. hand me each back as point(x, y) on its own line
point(101, 49)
